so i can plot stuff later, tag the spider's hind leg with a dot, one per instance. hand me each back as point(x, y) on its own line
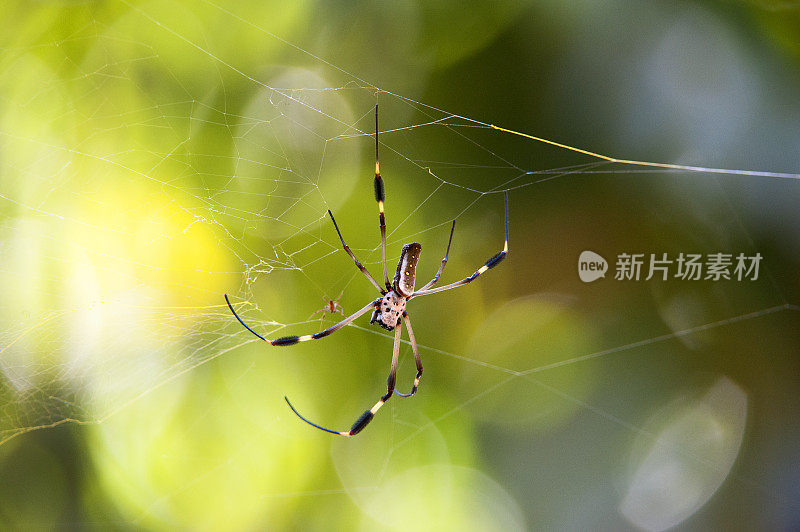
point(368, 415)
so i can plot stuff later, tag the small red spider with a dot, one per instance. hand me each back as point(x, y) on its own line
point(331, 305)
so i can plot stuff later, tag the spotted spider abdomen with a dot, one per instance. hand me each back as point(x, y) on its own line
point(406, 272)
point(389, 311)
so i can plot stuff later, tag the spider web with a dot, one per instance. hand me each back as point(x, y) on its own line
point(148, 168)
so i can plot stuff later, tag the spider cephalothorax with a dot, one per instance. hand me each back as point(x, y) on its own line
point(390, 309)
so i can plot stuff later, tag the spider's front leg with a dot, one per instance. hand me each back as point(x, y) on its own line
point(291, 340)
point(444, 261)
point(491, 263)
point(380, 197)
point(367, 416)
point(352, 256)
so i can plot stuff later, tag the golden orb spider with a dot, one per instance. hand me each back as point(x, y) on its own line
point(389, 309)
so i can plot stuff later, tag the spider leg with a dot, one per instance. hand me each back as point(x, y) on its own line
point(417, 359)
point(444, 261)
point(336, 306)
point(367, 416)
point(291, 340)
point(491, 263)
point(380, 197)
point(323, 309)
point(358, 264)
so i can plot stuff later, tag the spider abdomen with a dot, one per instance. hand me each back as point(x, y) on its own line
point(389, 310)
point(406, 272)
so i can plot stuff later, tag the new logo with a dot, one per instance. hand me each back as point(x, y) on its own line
point(591, 266)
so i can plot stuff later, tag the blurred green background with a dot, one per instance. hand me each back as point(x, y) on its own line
point(156, 155)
